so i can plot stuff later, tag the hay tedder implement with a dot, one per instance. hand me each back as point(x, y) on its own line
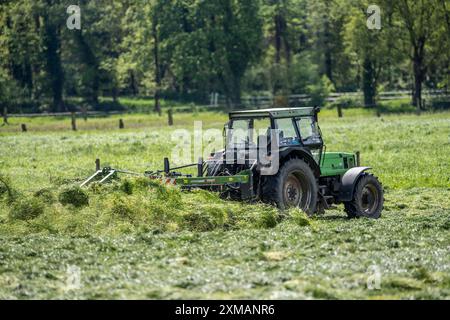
point(275, 156)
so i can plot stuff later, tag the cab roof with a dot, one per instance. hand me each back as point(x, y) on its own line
point(274, 113)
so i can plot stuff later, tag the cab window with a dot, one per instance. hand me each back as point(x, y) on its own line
point(309, 130)
point(247, 130)
point(287, 132)
point(240, 132)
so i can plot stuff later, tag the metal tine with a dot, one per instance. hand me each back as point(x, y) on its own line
point(107, 176)
point(90, 178)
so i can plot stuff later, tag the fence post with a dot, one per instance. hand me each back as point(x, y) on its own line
point(358, 158)
point(84, 108)
point(74, 122)
point(121, 124)
point(339, 110)
point(24, 127)
point(97, 164)
point(170, 115)
point(5, 115)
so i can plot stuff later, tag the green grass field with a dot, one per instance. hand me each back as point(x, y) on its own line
point(135, 241)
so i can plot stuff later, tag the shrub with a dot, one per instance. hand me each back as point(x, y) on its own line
point(75, 196)
point(26, 209)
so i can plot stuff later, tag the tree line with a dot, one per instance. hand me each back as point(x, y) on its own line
point(186, 49)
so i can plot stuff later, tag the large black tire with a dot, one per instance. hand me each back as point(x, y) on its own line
point(294, 186)
point(368, 198)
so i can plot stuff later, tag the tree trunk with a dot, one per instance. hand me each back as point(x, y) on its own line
point(278, 31)
point(281, 39)
point(417, 94)
point(157, 65)
point(5, 115)
point(369, 83)
point(53, 64)
point(419, 74)
point(237, 93)
point(234, 92)
point(115, 92)
point(328, 53)
point(92, 80)
point(133, 85)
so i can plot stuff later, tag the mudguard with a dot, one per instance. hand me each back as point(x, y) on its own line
point(348, 183)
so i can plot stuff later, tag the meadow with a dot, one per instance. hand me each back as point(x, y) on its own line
point(132, 240)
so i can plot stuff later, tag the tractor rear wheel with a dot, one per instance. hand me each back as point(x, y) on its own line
point(293, 186)
point(367, 198)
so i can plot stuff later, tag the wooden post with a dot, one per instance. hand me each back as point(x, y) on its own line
point(97, 164)
point(74, 122)
point(358, 158)
point(84, 109)
point(5, 115)
point(24, 127)
point(339, 110)
point(170, 117)
point(121, 124)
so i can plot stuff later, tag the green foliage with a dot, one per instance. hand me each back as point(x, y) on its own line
point(75, 196)
point(184, 50)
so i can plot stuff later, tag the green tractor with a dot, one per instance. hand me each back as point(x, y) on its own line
point(306, 176)
point(278, 156)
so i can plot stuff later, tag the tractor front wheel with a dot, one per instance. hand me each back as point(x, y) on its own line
point(367, 198)
point(293, 186)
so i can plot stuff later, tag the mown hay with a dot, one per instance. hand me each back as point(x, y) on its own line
point(26, 209)
point(74, 196)
point(45, 195)
point(122, 208)
point(6, 190)
point(268, 218)
point(300, 217)
point(127, 187)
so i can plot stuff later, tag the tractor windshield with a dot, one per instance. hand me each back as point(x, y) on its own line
point(246, 131)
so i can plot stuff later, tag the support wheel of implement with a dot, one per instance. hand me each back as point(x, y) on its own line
point(293, 186)
point(368, 198)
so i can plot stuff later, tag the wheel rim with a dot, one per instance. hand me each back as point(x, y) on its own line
point(369, 199)
point(296, 191)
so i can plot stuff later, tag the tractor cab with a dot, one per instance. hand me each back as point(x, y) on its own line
point(285, 128)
